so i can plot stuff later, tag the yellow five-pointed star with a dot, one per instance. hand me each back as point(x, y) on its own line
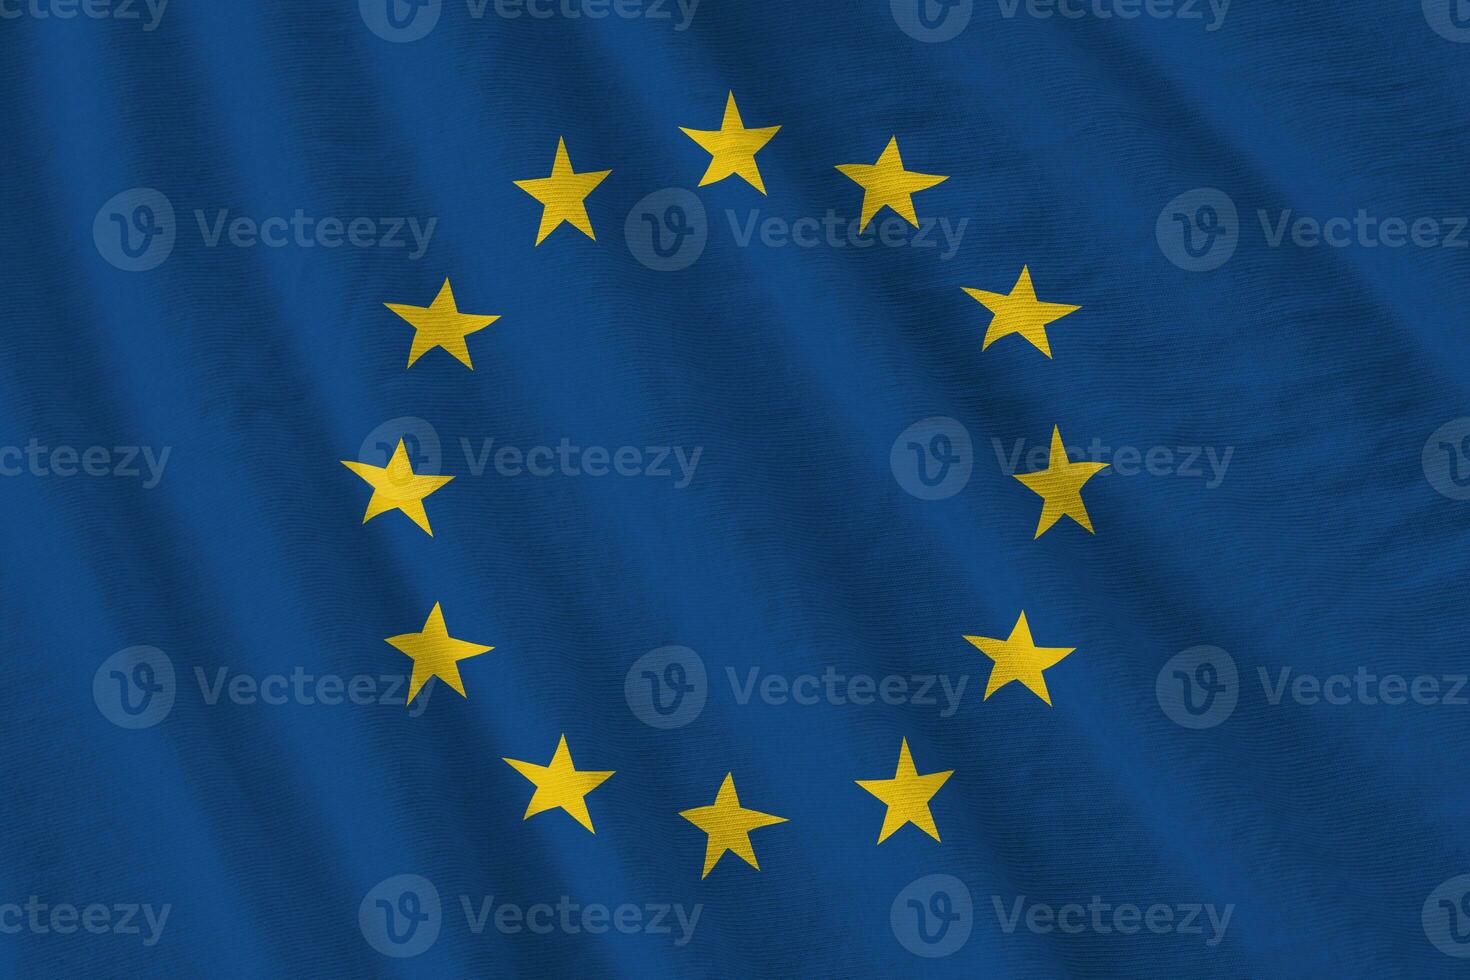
point(1020, 312)
point(1060, 486)
point(732, 148)
point(441, 325)
point(728, 826)
point(887, 183)
point(1018, 658)
point(560, 785)
point(907, 795)
point(397, 487)
point(435, 653)
point(563, 194)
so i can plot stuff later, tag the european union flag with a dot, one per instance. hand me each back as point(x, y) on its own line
point(698, 488)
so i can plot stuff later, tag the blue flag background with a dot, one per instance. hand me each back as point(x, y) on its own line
point(1253, 766)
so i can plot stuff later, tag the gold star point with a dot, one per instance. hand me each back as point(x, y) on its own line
point(907, 795)
point(887, 184)
point(435, 653)
point(728, 825)
point(441, 324)
point(560, 785)
point(563, 195)
point(397, 487)
point(1018, 658)
point(1060, 486)
point(1020, 312)
point(732, 148)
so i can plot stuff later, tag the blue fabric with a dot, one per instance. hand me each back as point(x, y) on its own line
point(1081, 147)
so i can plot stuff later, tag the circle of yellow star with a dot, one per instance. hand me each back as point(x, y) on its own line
point(397, 487)
point(441, 325)
point(728, 826)
point(560, 786)
point(1018, 658)
point(907, 795)
point(732, 148)
point(1020, 312)
point(563, 195)
point(1060, 486)
point(435, 653)
point(886, 183)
